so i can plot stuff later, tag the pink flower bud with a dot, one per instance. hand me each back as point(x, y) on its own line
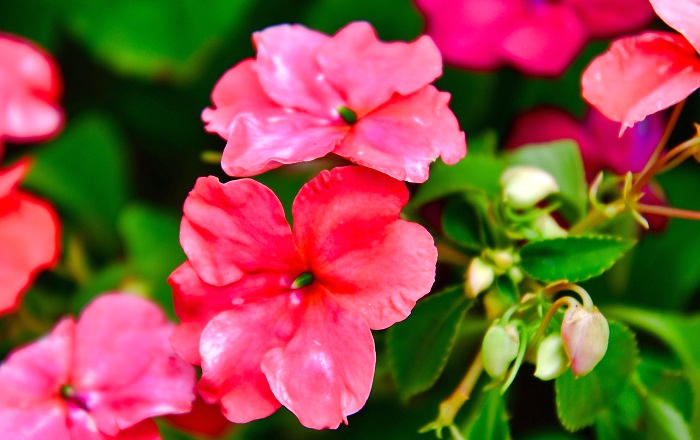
point(499, 348)
point(585, 335)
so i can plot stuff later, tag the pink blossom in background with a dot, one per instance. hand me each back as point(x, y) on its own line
point(102, 377)
point(277, 316)
point(644, 74)
point(307, 94)
point(29, 236)
point(539, 37)
point(30, 86)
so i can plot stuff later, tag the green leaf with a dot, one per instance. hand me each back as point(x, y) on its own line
point(84, 173)
point(581, 400)
point(420, 345)
point(491, 421)
point(153, 38)
point(462, 224)
point(574, 258)
point(663, 421)
point(563, 161)
point(680, 333)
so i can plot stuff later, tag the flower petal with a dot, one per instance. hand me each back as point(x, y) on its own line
point(229, 229)
point(288, 70)
point(605, 18)
point(325, 371)
point(647, 73)
point(204, 420)
point(405, 135)
point(682, 15)
point(11, 176)
point(146, 430)
point(40, 421)
point(368, 71)
point(232, 345)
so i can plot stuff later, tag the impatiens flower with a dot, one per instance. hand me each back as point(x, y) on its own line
point(277, 316)
point(102, 377)
point(643, 74)
point(307, 94)
point(29, 236)
point(539, 37)
point(30, 86)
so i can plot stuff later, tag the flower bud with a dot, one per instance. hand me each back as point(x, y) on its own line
point(479, 277)
point(499, 348)
point(551, 358)
point(547, 227)
point(524, 186)
point(585, 334)
point(495, 303)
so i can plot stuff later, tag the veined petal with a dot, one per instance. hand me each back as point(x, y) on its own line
point(682, 15)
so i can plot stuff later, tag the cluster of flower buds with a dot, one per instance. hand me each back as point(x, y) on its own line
point(483, 270)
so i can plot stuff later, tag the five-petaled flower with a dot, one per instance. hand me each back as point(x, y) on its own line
point(29, 236)
point(539, 37)
point(281, 317)
point(643, 74)
point(102, 377)
point(307, 94)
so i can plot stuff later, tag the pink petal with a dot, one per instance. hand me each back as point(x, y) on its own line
point(146, 430)
point(82, 426)
point(405, 135)
point(229, 229)
point(545, 40)
point(29, 242)
point(124, 367)
point(11, 176)
point(35, 373)
point(641, 75)
point(682, 15)
point(605, 18)
point(232, 346)
point(325, 372)
point(368, 72)
point(40, 421)
point(288, 70)
point(204, 420)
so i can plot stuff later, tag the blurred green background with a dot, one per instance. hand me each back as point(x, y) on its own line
point(137, 74)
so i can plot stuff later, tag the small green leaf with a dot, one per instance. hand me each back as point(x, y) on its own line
point(420, 345)
point(581, 400)
point(663, 421)
point(491, 421)
point(461, 223)
point(572, 258)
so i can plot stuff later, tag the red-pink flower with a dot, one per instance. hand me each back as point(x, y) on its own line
point(203, 420)
point(282, 317)
point(102, 377)
point(643, 74)
point(30, 86)
point(29, 236)
point(539, 37)
point(307, 94)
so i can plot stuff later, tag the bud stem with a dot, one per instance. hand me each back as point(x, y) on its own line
point(668, 211)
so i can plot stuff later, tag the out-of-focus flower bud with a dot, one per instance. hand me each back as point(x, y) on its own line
point(524, 186)
point(503, 259)
point(516, 274)
point(495, 303)
point(499, 348)
point(547, 227)
point(551, 358)
point(585, 334)
point(479, 277)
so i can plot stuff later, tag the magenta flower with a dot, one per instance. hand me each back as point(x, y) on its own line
point(307, 94)
point(539, 37)
point(648, 72)
point(30, 86)
point(282, 317)
point(103, 377)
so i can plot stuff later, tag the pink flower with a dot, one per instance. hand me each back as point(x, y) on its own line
point(307, 94)
point(643, 74)
point(539, 37)
point(30, 86)
point(29, 236)
point(282, 317)
point(103, 377)
point(204, 420)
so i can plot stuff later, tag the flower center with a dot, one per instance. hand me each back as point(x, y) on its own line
point(303, 280)
point(348, 115)
point(69, 394)
point(67, 391)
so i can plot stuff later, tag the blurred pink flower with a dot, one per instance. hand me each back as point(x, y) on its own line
point(30, 86)
point(307, 94)
point(203, 420)
point(29, 236)
point(539, 37)
point(643, 74)
point(103, 377)
point(281, 317)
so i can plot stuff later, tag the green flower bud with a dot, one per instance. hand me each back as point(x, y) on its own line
point(479, 277)
point(499, 349)
point(551, 358)
point(524, 186)
point(547, 227)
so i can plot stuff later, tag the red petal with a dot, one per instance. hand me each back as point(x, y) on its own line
point(146, 430)
point(204, 419)
point(682, 15)
point(368, 72)
point(10, 177)
point(605, 18)
point(405, 135)
point(641, 75)
point(234, 228)
point(325, 372)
